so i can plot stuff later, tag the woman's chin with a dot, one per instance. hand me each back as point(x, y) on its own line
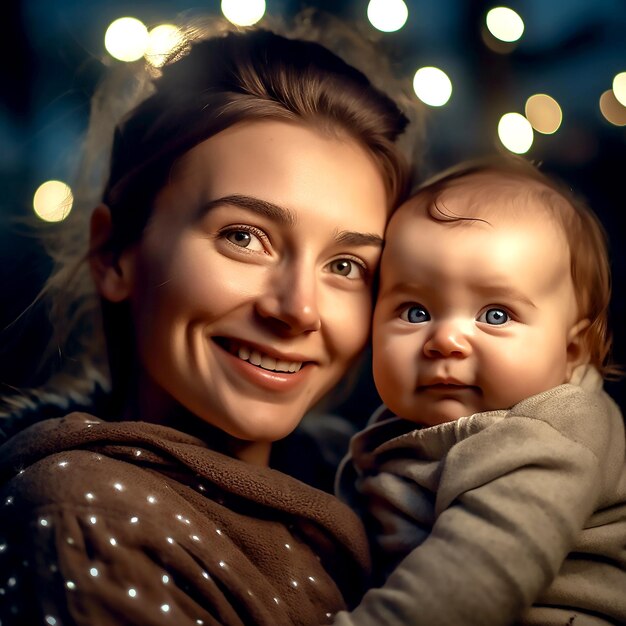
point(256, 422)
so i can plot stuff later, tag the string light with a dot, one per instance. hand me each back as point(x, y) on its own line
point(515, 133)
point(53, 201)
point(619, 87)
point(432, 86)
point(126, 39)
point(387, 15)
point(162, 40)
point(544, 113)
point(243, 12)
point(612, 109)
point(505, 24)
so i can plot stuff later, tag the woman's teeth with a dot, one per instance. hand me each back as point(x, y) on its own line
point(267, 362)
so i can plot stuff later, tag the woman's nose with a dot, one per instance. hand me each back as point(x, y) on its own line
point(448, 339)
point(290, 302)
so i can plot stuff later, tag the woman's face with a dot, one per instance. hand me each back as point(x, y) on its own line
point(251, 285)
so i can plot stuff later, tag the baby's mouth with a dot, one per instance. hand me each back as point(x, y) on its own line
point(448, 387)
point(258, 358)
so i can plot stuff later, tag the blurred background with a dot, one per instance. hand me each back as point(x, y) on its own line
point(543, 78)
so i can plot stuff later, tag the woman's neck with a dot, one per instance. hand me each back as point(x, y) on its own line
point(160, 408)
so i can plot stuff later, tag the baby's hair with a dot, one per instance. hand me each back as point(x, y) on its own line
point(585, 235)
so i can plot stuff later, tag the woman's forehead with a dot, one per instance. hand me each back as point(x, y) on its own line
point(293, 167)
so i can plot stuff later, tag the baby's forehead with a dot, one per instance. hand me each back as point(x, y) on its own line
point(480, 229)
point(485, 208)
point(488, 194)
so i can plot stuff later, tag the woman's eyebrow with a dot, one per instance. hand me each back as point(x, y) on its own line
point(267, 209)
point(284, 216)
point(352, 238)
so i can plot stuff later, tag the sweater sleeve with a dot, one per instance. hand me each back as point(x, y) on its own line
point(508, 498)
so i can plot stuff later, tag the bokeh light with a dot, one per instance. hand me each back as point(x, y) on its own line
point(243, 12)
point(162, 40)
point(432, 86)
point(612, 109)
point(619, 87)
point(515, 133)
point(126, 39)
point(53, 201)
point(544, 113)
point(387, 15)
point(505, 24)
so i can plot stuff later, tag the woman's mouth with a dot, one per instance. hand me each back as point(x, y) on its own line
point(256, 357)
point(267, 362)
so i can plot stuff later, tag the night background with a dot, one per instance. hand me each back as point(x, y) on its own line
point(53, 55)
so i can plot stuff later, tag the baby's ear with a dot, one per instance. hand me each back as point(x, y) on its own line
point(577, 347)
point(112, 272)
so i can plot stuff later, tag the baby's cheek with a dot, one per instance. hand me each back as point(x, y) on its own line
point(521, 375)
point(389, 367)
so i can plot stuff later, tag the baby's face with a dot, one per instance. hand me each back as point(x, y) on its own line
point(471, 316)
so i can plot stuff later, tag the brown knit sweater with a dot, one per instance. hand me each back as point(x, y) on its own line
point(106, 523)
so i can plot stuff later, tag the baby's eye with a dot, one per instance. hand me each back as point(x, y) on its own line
point(350, 268)
point(495, 317)
point(244, 239)
point(415, 314)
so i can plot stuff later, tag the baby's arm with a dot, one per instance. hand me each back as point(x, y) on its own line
point(512, 495)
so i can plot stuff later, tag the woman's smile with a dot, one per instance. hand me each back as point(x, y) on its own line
point(265, 358)
point(267, 368)
point(264, 371)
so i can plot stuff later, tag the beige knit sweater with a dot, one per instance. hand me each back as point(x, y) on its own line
point(504, 517)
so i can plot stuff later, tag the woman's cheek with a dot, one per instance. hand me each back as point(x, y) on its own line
point(203, 278)
point(352, 321)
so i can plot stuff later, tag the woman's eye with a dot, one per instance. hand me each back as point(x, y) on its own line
point(348, 268)
point(494, 317)
point(245, 239)
point(415, 314)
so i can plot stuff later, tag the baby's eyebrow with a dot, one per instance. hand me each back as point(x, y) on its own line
point(408, 289)
point(505, 291)
point(274, 212)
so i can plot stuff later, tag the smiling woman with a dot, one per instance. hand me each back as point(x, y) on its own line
point(232, 254)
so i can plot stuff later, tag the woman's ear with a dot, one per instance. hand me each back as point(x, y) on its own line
point(577, 348)
point(112, 272)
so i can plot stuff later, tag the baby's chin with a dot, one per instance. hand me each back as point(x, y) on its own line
point(439, 412)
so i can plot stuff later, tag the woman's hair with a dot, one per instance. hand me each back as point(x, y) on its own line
point(208, 85)
point(244, 76)
point(585, 235)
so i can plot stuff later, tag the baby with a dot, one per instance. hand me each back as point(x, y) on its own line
point(494, 481)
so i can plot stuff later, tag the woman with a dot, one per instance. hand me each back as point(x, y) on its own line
point(233, 253)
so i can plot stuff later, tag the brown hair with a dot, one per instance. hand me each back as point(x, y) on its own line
point(241, 76)
point(586, 238)
point(208, 85)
